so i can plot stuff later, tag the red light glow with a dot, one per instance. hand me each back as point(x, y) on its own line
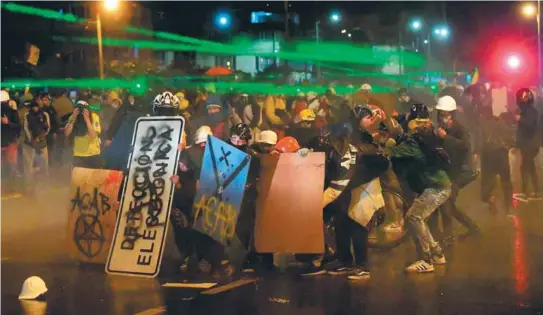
point(513, 62)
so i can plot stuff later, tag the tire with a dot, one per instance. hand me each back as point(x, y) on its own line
point(378, 238)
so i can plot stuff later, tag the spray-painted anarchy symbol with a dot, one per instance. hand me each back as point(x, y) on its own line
point(88, 235)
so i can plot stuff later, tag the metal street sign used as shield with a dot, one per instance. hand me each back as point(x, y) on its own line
point(146, 203)
point(222, 186)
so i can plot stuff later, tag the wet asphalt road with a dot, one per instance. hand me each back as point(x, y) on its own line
point(500, 272)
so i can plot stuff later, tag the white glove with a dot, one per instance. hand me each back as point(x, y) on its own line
point(303, 152)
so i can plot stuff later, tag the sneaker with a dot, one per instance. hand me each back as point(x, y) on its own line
point(359, 274)
point(312, 270)
point(535, 197)
point(340, 271)
point(520, 197)
point(438, 259)
point(420, 266)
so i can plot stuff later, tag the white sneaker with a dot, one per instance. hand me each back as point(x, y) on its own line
point(420, 266)
point(520, 197)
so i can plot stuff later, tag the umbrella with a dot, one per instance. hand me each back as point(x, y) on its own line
point(218, 71)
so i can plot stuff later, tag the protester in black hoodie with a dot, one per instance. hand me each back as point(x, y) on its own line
point(496, 140)
point(528, 143)
point(44, 101)
point(457, 143)
point(36, 125)
point(11, 127)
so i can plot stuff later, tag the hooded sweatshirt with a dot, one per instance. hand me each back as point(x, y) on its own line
point(11, 130)
point(527, 127)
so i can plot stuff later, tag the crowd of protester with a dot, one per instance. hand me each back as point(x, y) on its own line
point(425, 151)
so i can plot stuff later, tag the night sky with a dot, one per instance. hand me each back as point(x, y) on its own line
point(475, 26)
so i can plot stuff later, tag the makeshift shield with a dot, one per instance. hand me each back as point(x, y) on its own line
point(92, 213)
point(222, 186)
point(143, 221)
point(289, 209)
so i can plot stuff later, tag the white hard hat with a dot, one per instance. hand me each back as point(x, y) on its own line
point(446, 103)
point(301, 94)
point(4, 97)
point(365, 87)
point(201, 134)
point(268, 137)
point(33, 287)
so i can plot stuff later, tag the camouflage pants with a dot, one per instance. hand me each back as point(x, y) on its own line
point(423, 206)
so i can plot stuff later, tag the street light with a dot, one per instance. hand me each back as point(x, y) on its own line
point(441, 32)
point(335, 17)
point(529, 10)
point(416, 25)
point(110, 6)
point(223, 20)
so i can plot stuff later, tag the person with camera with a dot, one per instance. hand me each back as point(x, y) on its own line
point(85, 127)
point(36, 126)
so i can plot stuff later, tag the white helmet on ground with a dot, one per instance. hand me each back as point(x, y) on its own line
point(446, 103)
point(267, 137)
point(201, 134)
point(33, 287)
point(4, 97)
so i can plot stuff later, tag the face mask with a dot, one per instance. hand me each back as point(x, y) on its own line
point(237, 141)
point(214, 118)
point(445, 120)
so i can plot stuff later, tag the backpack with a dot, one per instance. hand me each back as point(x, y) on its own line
point(432, 148)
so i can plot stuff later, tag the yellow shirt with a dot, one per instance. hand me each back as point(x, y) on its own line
point(85, 146)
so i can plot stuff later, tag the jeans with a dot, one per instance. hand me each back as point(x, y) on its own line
point(350, 232)
point(423, 206)
point(449, 210)
point(29, 154)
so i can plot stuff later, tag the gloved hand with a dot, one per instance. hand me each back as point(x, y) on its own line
point(303, 152)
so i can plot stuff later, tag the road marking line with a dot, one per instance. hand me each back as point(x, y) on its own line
point(153, 311)
point(204, 285)
point(229, 286)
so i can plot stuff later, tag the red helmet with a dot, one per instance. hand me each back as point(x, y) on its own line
point(287, 145)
